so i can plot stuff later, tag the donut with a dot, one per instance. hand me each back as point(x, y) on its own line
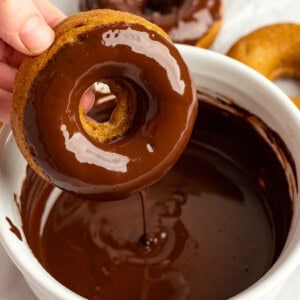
point(273, 50)
point(146, 131)
point(194, 22)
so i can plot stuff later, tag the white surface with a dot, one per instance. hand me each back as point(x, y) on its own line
point(241, 16)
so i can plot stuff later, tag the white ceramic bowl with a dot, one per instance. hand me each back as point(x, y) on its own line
point(249, 90)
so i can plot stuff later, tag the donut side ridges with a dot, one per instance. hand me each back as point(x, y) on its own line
point(66, 32)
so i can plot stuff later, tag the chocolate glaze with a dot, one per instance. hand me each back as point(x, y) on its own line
point(186, 21)
point(215, 223)
point(166, 108)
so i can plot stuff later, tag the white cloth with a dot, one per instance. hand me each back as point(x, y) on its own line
point(241, 17)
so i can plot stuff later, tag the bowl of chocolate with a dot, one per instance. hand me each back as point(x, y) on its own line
point(222, 223)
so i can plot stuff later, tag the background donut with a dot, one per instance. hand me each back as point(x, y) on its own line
point(186, 21)
point(272, 50)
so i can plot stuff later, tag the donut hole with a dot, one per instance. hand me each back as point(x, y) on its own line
point(160, 6)
point(101, 102)
point(107, 109)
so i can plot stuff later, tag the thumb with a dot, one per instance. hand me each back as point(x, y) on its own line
point(23, 27)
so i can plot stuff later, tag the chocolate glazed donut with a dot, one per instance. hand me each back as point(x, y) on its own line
point(144, 71)
point(194, 22)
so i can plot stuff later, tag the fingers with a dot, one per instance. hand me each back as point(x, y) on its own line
point(10, 56)
point(8, 74)
point(87, 100)
point(5, 102)
point(23, 26)
point(25, 29)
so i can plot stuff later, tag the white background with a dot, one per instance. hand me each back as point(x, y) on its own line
point(241, 17)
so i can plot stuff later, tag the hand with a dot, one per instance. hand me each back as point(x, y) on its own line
point(25, 29)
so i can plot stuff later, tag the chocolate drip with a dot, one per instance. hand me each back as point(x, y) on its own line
point(145, 231)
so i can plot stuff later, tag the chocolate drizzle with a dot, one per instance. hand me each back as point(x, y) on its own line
point(14, 229)
point(215, 223)
point(186, 21)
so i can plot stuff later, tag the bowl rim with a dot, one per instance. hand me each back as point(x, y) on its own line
point(285, 264)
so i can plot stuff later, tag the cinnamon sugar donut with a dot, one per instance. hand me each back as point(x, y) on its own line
point(186, 21)
point(273, 50)
point(146, 132)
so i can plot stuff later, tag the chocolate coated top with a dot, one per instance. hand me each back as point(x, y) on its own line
point(166, 110)
point(186, 21)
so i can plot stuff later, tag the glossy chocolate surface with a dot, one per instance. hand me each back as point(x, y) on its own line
point(186, 21)
point(166, 110)
point(214, 224)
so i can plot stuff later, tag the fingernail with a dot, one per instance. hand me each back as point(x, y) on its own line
point(36, 35)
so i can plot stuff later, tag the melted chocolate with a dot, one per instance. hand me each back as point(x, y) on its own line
point(186, 21)
point(215, 223)
point(14, 229)
point(166, 108)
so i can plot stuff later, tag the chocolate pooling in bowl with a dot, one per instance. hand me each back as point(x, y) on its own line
point(216, 222)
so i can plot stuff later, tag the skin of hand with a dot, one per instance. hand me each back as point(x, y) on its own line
point(25, 29)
